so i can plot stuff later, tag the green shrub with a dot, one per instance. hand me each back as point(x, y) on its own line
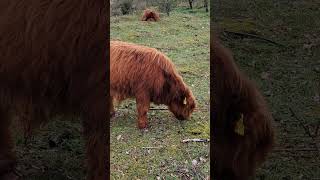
point(126, 6)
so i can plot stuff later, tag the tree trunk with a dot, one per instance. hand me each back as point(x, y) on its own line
point(168, 7)
point(206, 5)
point(190, 3)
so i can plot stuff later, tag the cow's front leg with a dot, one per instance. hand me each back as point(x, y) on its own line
point(112, 110)
point(143, 104)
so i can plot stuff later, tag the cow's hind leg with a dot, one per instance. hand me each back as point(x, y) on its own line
point(143, 104)
point(112, 110)
point(95, 132)
point(7, 157)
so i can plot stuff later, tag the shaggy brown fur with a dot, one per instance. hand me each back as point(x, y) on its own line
point(148, 76)
point(150, 15)
point(236, 156)
point(53, 62)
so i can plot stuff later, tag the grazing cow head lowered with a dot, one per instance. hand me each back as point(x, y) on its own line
point(150, 15)
point(243, 132)
point(182, 102)
point(148, 76)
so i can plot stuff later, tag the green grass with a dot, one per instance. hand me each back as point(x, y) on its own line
point(293, 74)
point(184, 38)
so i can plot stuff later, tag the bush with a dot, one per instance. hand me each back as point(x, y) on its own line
point(167, 5)
point(126, 6)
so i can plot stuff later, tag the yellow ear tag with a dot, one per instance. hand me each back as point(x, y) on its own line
point(239, 128)
point(185, 101)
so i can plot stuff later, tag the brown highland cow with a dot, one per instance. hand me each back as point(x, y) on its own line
point(148, 76)
point(242, 124)
point(52, 61)
point(150, 15)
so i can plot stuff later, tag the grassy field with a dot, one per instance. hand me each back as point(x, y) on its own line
point(289, 75)
point(184, 38)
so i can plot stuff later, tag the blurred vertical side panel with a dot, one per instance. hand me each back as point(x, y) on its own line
point(54, 66)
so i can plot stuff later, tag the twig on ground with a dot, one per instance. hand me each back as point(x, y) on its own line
point(317, 130)
point(306, 129)
point(69, 177)
point(158, 109)
point(193, 169)
point(17, 173)
point(253, 36)
point(36, 167)
point(296, 149)
point(152, 147)
point(166, 109)
point(195, 140)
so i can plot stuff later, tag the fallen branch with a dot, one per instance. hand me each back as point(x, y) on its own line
point(166, 109)
point(195, 140)
point(253, 36)
point(152, 147)
point(158, 109)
